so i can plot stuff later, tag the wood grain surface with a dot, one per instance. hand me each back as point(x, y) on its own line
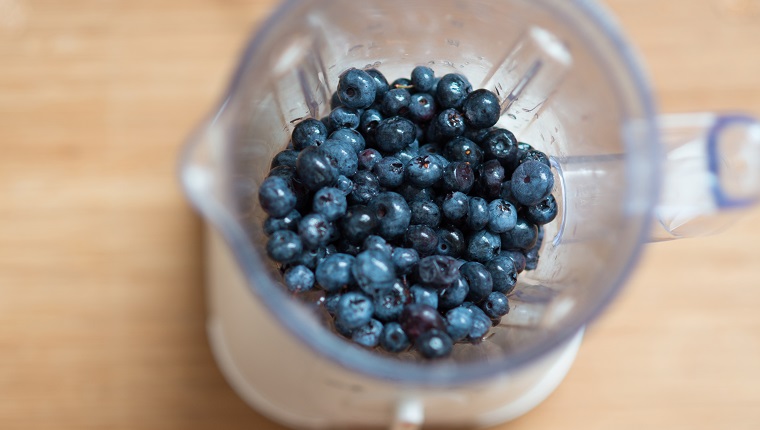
point(101, 301)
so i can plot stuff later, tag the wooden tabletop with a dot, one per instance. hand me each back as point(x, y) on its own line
point(101, 300)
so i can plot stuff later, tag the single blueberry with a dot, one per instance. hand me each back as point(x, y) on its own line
point(424, 296)
point(368, 123)
point(411, 193)
point(285, 158)
point(483, 246)
point(358, 223)
point(453, 295)
point(311, 257)
point(299, 279)
point(356, 89)
point(309, 132)
point(481, 109)
point(315, 230)
point(396, 102)
point(315, 169)
point(350, 136)
point(406, 154)
point(542, 213)
point(437, 271)
point(522, 236)
point(434, 344)
point(503, 273)
point(425, 212)
point(368, 158)
point(344, 185)
point(284, 246)
point(394, 134)
point(354, 310)
point(517, 257)
point(288, 222)
point(423, 171)
point(496, 305)
point(393, 338)
point(463, 149)
point(479, 279)
point(366, 187)
point(480, 324)
point(369, 334)
point(417, 319)
point(455, 206)
point(477, 135)
point(343, 154)
point(343, 117)
point(477, 213)
point(502, 216)
point(422, 239)
point(330, 202)
point(392, 213)
point(373, 271)
point(389, 303)
point(451, 242)
point(532, 182)
point(377, 243)
point(276, 197)
point(423, 79)
point(284, 172)
point(430, 149)
point(381, 83)
point(448, 124)
point(500, 144)
point(422, 108)
point(405, 260)
point(389, 172)
point(451, 91)
point(458, 176)
point(491, 175)
point(534, 155)
point(459, 323)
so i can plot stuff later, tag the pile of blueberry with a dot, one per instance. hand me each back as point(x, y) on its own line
point(409, 209)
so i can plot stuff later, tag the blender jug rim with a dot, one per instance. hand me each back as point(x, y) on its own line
point(327, 344)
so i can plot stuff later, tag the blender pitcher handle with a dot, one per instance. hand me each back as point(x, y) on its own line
point(711, 171)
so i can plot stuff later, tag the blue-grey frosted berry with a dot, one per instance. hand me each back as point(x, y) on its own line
point(354, 310)
point(299, 279)
point(411, 193)
point(343, 117)
point(542, 213)
point(452, 90)
point(344, 185)
point(463, 149)
point(315, 230)
point(479, 279)
point(358, 223)
point(455, 206)
point(335, 272)
point(381, 83)
point(502, 216)
point(389, 172)
point(500, 144)
point(394, 134)
point(331, 303)
point(395, 102)
point(451, 242)
point(492, 175)
point(366, 187)
point(343, 154)
point(421, 108)
point(448, 123)
point(315, 169)
point(423, 79)
point(330, 202)
point(284, 246)
point(453, 295)
point(368, 123)
point(496, 305)
point(393, 338)
point(425, 212)
point(424, 296)
point(276, 197)
point(309, 132)
point(517, 257)
point(356, 89)
point(434, 344)
point(481, 323)
point(284, 172)
point(458, 176)
point(423, 171)
point(374, 271)
point(392, 213)
point(483, 246)
point(481, 109)
point(288, 222)
point(422, 239)
point(389, 303)
point(350, 136)
point(430, 149)
point(368, 158)
point(532, 181)
point(406, 154)
point(405, 260)
point(437, 271)
point(522, 236)
point(285, 158)
point(377, 243)
point(477, 213)
point(534, 155)
point(417, 319)
point(311, 257)
point(459, 323)
point(503, 273)
point(369, 334)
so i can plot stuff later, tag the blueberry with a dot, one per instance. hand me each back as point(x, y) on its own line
point(331, 303)
point(430, 149)
point(534, 155)
point(330, 202)
point(285, 158)
point(350, 136)
point(411, 193)
point(542, 213)
point(496, 305)
point(502, 216)
point(477, 213)
point(479, 279)
point(373, 271)
point(437, 271)
point(309, 132)
point(406, 154)
point(396, 102)
point(506, 194)
point(517, 258)
point(405, 260)
point(368, 123)
point(354, 310)
point(366, 187)
point(276, 197)
point(392, 212)
point(402, 83)
point(299, 279)
point(477, 135)
point(503, 273)
point(463, 149)
point(369, 334)
point(451, 91)
point(522, 236)
point(368, 158)
point(458, 176)
point(481, 109)
point(288, 222)
point(377, 243)
point(344, 185)
point(453, 295)
point(424, 296)
point(483, 246)
point(449, 123)
point(455, 206)
point(389, 172)
point(389, 303)
point(343, 117)
point(532, 182)
point(358, 223)
point(451, 242)
point(381, 84)
point(393, 338)
point(356, 89)
point(423, 79)
point(343, 154)
point(345, 246)
point(423, 171)
point(434, 344)
point(421, 108)
point(425, 212)
point(315, 230)
point(417, 319)
point(458, 323)
point(500, 144)
point(394, 134)
point(284, 172)
point(284, 246)
point(480, 324)
point(422, 239)
point(315, 169)
point(491, 177)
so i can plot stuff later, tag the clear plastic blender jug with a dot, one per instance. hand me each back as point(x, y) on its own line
point(569, 85)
